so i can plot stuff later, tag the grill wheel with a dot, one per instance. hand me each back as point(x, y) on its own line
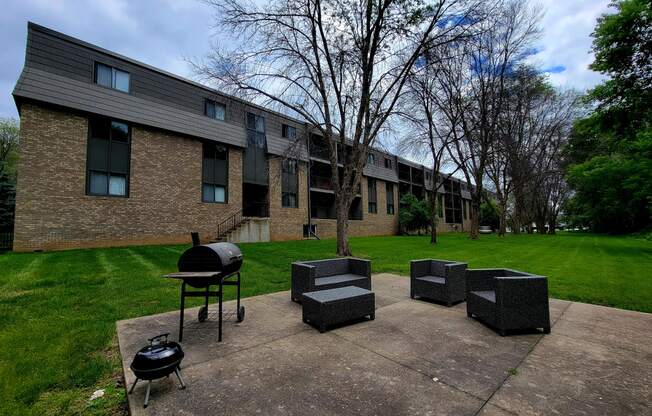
point(202, 315)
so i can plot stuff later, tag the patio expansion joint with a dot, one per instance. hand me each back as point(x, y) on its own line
point(502, 383)
point(428, 376)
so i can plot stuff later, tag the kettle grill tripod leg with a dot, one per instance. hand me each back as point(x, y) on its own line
point(176, 371)
point(133, 386)
point(149, 386)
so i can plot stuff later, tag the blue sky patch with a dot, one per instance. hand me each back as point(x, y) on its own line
point(557, 69)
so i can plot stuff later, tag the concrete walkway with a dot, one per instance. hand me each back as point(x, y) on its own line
point(415, 358)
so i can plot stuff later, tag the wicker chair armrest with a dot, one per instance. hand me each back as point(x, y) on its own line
point(480, 279)
point(419, 268)
point(519, 291)
point(455, 273)
point(303, 276)
point(360, 267)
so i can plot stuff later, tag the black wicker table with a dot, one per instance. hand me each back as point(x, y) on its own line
point(325, 308)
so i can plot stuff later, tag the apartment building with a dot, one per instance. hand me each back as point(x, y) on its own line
point(116, 152)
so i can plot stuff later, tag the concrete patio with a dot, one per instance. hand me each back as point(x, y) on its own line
point(415, 358)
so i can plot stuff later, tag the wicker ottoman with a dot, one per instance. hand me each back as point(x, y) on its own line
point(325, 308)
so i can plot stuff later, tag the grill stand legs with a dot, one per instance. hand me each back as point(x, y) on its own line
point(183, 302)
point(219, 315)
point(206, 293)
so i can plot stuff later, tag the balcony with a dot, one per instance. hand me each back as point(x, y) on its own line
point(417, 176)
point(319, 152)
point(404, 173)
point(321, 182)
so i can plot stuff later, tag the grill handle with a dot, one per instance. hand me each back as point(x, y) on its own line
point(156, 340)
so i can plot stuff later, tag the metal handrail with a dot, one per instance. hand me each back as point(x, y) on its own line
point(230, 223)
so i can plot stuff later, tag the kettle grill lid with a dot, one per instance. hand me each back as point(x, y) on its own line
point(157, 355)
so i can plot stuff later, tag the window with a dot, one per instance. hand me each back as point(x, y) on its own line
point(289, 184)
point(466, 211)
point(453, 202)
point(371, 191)
point(388, 163)
point(256, 131)
point(110, 77)
point(215, 173)
point(371, 159)
point(389, 189)
point(428, 176)
point(289, 132)
point(214, 110)
point(440, 205)
point(108, 158)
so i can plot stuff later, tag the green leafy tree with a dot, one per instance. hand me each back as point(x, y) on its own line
point(489, 214)
point(609, 151)
point(414, 214)
point(8, 158)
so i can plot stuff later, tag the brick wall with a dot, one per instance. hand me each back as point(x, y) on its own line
point(164, 203)
point(287, 223)
point(371, 224)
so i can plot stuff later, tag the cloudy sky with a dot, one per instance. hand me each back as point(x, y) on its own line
point(163, 33)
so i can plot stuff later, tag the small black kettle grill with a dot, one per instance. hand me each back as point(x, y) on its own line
point(157, 360)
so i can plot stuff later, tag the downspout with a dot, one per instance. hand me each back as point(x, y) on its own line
point(308, 181)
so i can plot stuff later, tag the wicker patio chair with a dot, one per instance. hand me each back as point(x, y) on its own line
point(508, 299)
point(438, 280)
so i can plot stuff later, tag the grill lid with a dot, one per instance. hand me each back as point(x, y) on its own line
point(159, 354)
point(222, 257)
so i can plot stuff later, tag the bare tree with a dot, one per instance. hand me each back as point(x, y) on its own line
point(474, 93)
point(538, 170)
point(339, 65)
point(427, 136)
point(521, 124)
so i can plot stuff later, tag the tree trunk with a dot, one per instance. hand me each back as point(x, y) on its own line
point(518, 212)
point(516, 224)
point(541, 225)
point(434, 219)
point(343, 248)
point(502, 228)
point(474, 233)
point(552, 224)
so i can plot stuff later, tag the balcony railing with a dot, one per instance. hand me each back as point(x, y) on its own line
point(320, 152)
point(321, 182)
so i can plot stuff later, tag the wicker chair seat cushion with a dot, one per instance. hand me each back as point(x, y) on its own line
point(432, 279)
point(489, 295)
point(338, 279)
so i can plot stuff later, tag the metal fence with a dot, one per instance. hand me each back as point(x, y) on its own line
point(6, 241)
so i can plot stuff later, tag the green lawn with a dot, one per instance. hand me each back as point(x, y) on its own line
point(58, 309)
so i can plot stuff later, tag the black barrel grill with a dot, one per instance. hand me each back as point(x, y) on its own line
point(157, 360)
point(209, 265)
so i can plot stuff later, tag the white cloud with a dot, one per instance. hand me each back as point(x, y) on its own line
point(162, 33)
point(566, 41)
